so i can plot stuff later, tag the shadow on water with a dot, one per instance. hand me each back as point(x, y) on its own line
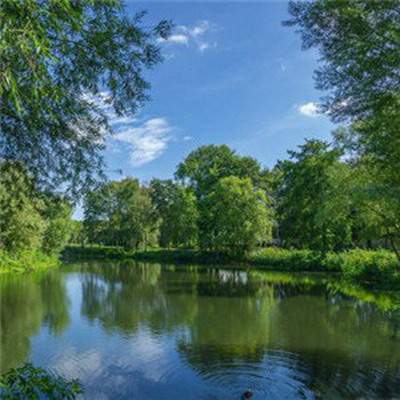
point(163, 331)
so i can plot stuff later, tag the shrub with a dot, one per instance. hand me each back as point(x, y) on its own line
point(288, 259)
point(377, 267)
point(29, 382)
point(25, 261)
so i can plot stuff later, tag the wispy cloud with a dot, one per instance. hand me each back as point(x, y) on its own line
point(147, 141)
point(309, 109)
point(196, 35)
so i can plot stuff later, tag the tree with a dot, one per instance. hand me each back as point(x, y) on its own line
point(176, 207)
point(21, 222)
point(57, 213)
point(375, 204)
point(205, 166)
point(314, 211)
point(66, 67)
point(120, 213)
point(235, 217)
point(359, 45)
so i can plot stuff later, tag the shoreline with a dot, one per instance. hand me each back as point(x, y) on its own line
point(371, 268)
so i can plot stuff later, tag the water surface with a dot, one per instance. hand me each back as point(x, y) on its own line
point(146, 331)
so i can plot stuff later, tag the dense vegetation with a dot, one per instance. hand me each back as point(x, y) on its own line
point(324, 199)
point(67, 66)
point(29, 382)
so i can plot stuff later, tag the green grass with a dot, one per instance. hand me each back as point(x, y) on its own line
point(374, 268)
point(26, 261)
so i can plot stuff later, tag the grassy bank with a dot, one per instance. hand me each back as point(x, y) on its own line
point(26, 261)
point(375, 268)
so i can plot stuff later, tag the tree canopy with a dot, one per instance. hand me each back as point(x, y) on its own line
point(66, 66)
point(359, 44)
point(236, 217)
point(203, 167)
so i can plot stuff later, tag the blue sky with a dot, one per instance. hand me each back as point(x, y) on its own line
point(232, 74)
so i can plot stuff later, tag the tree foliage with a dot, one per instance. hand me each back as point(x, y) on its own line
point(120, 213)
point(313, 212)
point(58, 59)
point(235, 217)
point(359, 44)
point(205, 166)
point(30, 219)
point(29, 382)
point(177, 211)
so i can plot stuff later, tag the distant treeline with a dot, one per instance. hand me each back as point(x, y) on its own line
point(224, 202)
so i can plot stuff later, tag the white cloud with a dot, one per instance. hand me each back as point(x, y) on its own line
point(309, 109)
point(147, 141)
point(187, 138)
point(192, 35)
point(177, 39)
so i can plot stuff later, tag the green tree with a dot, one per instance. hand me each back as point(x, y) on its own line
point(21, 222)
point(359, 45)
point(57, 59)
point(57, 214)
point(235, 217)
point(176, 207)
point(120, 213)
point(78, 234)
point(205, 166)
point(314, 212)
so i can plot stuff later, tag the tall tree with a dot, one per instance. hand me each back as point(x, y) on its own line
point(314, 212)
point(359, 44)
point(65, 67)
point(21, 222)
point(57, 213)
point(120, 213)
point(236, 217)
point(176, 208)
point(203, 168)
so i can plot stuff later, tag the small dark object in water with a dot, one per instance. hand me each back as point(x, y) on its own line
point(248, 394)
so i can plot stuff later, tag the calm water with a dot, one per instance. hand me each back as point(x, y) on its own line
point(145, 331)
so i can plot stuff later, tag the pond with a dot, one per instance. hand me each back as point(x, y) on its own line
point(150, 331)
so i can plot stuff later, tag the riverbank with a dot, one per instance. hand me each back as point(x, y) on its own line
point(26, 261)
point(372, 268)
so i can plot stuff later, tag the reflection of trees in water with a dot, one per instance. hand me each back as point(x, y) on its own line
point(226, 318)
point(338, 338)
point(27, 302)
point(125, 297)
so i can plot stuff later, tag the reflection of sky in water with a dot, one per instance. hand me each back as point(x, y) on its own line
point(151, 333)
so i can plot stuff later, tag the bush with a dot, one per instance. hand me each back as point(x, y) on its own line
point(376, 267)
point(26, 261)
point(29, 382)
point(288, 259)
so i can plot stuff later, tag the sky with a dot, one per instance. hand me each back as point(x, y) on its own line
point(232, 75)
